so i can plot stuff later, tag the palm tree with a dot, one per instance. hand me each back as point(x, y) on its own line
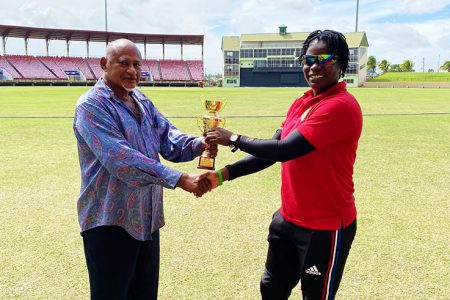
point(407, 66)
point(384, 65)
point(371, 66)
point(446, 66)
point(371, 63)
point(395, 68)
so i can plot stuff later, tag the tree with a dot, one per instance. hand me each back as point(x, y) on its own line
point(384, 65)
point(395, 68)
point(407, 66)
point(372, 63)
point(446, 66)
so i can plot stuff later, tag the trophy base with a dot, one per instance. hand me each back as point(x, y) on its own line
point(206, 163)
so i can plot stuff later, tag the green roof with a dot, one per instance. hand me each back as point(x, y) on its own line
point(231, 43)
point(354, 39)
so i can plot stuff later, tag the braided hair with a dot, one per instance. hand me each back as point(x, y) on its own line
point(336, 43)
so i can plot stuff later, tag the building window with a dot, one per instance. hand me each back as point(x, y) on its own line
point(231, 70)
point(247, 53)
point(273, 52)
point(260, 63)
point(352, 68)
point(288, 51)
point(231, 57)
point(350, 81)
point(283, 62)
point(260, 53)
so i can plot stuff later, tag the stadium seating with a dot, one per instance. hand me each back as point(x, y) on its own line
point(53, 68)
point(196, 69)
point(174, 70)
point(94, 64)
point(30, 67)
point(5, 65)
point(153, 66)
point(73, 64)
point(51, 63)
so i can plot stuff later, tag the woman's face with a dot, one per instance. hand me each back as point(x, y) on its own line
point(321, 77)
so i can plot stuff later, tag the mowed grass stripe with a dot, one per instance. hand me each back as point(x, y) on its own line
point(215, 247)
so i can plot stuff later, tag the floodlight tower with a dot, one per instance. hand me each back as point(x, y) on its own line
point(357, 11)
point(106, 15)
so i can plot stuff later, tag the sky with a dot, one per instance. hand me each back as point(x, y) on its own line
point(418, 30)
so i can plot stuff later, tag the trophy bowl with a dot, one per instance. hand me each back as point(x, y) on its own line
point(207, 122)
point(213, 106)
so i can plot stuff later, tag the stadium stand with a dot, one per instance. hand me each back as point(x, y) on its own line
point(30, 67)
point(10, 69)
point(75, 64)
point(196, 69)
point(94, 65)
point(55, 68)
point(154, 68)
point(66, 70)
point(174, 70)
point(51, 64)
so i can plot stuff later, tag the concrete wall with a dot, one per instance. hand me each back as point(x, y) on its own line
point(438, 85)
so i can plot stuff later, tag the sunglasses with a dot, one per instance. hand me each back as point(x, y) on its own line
point(322, 59)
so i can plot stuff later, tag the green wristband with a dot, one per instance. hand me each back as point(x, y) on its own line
point(219, 173)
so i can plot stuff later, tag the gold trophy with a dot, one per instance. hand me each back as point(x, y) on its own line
point(207, 122)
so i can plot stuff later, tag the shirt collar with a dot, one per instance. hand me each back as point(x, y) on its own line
point(102, 85)
point(337, 88)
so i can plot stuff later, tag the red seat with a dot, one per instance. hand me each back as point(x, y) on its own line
point(4, 64)
point(174, 70)
point(30, 67)
point(196, 68)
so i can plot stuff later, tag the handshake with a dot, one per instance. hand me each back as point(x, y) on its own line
point(201, 184)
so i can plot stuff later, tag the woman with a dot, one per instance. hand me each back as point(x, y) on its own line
point(311, 234)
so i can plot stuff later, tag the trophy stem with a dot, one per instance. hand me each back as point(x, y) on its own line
point(205, 162)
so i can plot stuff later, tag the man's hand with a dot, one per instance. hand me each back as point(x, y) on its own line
point(212, 148)
point(192, 184)
point(212, 177)
point(218, 136)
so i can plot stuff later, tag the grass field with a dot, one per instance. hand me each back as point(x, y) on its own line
point(215, 247)
point(413, 77)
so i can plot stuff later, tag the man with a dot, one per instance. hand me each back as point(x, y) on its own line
point(120, 134)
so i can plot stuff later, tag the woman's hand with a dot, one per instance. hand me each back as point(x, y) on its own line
point(218, 136)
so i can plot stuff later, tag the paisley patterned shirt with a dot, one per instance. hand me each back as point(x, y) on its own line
point(122, 178)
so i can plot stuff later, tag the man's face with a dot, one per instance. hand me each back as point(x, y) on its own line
point(123, 68)
point(319, 76)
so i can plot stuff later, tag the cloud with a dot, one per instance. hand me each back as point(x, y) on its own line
point(415, 41)
point(392, 40)
point(375, 10)
point(416, 7)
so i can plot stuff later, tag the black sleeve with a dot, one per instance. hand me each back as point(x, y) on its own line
point(293, 146)
point(250, 164)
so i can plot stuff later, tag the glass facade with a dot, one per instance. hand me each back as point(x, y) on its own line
point(353, 61)
point(262, 53)
point(261, 56)
point(231, 63)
